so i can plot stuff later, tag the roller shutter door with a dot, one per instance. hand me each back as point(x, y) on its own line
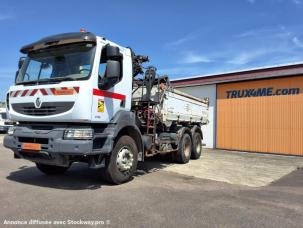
point(261, 116)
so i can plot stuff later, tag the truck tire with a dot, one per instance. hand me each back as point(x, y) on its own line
point(122, 164)
point(184, 149)
point(197, 146)
point(51, 169)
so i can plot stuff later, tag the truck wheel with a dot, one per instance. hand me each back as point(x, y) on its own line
point(184, 150)
point(197, 146)
point(51, 169)
point(122, 163)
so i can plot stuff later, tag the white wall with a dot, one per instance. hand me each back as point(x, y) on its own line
point(209, 131)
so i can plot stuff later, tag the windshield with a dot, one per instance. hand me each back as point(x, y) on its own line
point(72, 62)
point(3, 116)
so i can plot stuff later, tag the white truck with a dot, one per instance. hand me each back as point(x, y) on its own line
point(79, 97)
point(4, 122)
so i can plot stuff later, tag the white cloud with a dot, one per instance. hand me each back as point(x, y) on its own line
point(252, 48)
point(173, 70)
point(247, 34)
point(297, 42)
point(279, 42)
point(240, 59)
point(248, 56)
point(194, 58)
point(267, 32)
point(297, 2)
point(4, 17)
point(269, 45)
point(7, 73)
point(182, 40)
point(181, 71)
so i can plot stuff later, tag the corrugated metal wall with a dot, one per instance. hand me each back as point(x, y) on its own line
point(261, 116)
point(202, 91)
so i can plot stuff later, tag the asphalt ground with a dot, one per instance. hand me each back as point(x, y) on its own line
point(156, 197)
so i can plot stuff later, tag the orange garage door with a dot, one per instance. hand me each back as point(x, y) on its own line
point(261, 116)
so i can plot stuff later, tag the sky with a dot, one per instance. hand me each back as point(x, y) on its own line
point(182, 38)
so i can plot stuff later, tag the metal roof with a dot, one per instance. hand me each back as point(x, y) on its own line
point(285, 70)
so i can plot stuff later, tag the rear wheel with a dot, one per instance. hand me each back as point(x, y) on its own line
point(122, 164)
point(184, 150)
point(51, 169)
point(197, 146)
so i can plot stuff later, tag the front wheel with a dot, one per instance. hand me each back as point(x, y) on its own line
point(122, 164)
point(51, 169)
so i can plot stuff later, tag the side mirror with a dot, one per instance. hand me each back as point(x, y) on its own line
point(21, 61)
point(113, 52)
point(113, 69)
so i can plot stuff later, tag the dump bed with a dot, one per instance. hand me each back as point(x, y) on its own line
point(174, 105)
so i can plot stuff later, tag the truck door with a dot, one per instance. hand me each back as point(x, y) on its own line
point(113, 92)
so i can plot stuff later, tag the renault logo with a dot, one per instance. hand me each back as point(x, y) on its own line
point(38, 103)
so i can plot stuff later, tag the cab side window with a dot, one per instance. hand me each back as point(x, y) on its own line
point(102, 68)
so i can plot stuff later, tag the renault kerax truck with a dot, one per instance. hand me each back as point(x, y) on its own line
point(78, 97)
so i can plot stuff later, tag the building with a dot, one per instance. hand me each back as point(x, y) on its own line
point(257, 110)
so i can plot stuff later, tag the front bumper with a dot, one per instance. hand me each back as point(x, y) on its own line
point(54, 149)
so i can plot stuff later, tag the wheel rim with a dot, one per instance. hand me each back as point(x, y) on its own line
point(125, 159)
point(187, 149)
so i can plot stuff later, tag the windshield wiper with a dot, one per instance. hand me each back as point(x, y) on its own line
point(62, 79)
point(47, 80)
point(56, 79)
point(27, 82)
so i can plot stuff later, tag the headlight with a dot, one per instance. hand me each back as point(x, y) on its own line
point(85, 133)
point(11, 130)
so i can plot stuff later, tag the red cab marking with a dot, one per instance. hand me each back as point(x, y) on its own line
point(33, 92)
point(53, 91)
point(24, 93)
point(77, 89)
point(16, 93)
point(98, 92)
point(43, 91)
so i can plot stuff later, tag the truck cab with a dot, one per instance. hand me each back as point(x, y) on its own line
point(65, 74)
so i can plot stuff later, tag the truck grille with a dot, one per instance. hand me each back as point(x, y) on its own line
point(33, 140)
point(46, 109)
